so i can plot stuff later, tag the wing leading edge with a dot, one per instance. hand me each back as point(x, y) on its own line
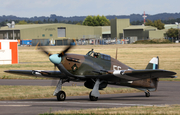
point(37, 73)
point(143, 74)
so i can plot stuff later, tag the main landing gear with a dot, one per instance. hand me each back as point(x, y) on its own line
point(147, 93)
point(61, 95)
point(94, 94)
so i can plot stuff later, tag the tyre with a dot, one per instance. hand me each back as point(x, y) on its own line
point(147, 94)
point(92, 98)
point(61, 96)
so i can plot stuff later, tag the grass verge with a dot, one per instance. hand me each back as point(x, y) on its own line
point(32, 92)
point(135, 110)
point(153, 41)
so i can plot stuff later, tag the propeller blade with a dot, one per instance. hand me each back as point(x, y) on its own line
point(45, 51)
point(63, 52)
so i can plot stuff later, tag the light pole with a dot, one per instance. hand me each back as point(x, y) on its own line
point(177, 28)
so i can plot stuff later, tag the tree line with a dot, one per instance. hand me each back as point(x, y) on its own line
point(169, 21)
point(4, 23)
point(139, 22)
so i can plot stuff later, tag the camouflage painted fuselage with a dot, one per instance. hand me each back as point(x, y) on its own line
point(86, 65)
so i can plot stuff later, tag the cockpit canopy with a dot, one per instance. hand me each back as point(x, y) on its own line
point(98, 55)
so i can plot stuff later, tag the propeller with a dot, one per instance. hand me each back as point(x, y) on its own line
point(55, 58)
point(63, 52)
point(45, 51)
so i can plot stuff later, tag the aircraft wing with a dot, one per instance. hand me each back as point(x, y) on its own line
point(132, 75)
point(143, 74)
point(111, 75)
point(37, 73)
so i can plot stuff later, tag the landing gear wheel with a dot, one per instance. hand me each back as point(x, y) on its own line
point(92, 98)
point(147, 94)
point(61, 96)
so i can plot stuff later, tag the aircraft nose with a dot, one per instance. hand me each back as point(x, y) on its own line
point(55, 59)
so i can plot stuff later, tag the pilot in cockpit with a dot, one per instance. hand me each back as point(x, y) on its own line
point(95, 55)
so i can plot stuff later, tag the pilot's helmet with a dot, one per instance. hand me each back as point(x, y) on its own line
point(95, 54)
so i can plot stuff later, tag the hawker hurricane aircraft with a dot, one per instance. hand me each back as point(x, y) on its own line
point(97, 70)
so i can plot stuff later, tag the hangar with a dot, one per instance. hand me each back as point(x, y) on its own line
point(140, 32)
point(50, 31)
point(119, 28)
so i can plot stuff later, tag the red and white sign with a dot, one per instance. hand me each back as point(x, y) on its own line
point(8, 51)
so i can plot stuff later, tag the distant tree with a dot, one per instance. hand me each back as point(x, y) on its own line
point(96, 21)
point(48, 20)
point(55, 21)
point(171, 21)
point(149, 23)
point(3, 23)
point(78, 23)
point(44, 21)
point(36, 22)
point(22, 22)
point(69, 22)
point(137, 22)
point(29, 21)
point(157, 23)
point(172, 33)
point(40, 22)
point(88, 21)
point(133, 23)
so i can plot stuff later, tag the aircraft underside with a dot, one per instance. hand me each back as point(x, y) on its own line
point(97, 85)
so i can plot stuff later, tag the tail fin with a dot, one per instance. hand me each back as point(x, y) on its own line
point(153, 64)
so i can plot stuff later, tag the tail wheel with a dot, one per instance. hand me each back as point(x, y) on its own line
point(147, 94)
point(61, 96)
point(92, 98)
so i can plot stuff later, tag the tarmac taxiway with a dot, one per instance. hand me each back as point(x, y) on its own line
point(168, 93)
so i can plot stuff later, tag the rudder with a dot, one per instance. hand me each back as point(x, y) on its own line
point(153, 63)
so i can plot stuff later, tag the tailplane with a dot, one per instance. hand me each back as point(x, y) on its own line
point(153, 64)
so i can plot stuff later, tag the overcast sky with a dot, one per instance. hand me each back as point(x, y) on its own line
point(67, 8)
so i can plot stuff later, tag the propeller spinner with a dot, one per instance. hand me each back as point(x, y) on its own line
point(56, 58)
